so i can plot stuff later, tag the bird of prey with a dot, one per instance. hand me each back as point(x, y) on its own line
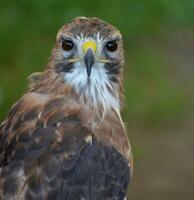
point(65, 139)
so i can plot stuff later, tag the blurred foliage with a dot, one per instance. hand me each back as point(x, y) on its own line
point(27, 34)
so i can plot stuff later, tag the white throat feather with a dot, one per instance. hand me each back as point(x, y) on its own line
point(96, 92)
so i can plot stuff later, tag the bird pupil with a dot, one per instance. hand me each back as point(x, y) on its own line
point(112, 46)
point(67, 45)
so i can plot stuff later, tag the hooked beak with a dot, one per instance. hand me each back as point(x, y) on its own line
point(89, 48)
point(89, 60)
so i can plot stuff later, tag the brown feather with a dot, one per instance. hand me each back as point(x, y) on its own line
point(50, 122)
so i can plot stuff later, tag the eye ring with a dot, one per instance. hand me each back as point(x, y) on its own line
point(112, 46)
point(67, 44)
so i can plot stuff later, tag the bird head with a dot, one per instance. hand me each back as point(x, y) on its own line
point(88, 55)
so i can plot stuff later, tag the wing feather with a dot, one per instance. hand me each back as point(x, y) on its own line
point(44, 155)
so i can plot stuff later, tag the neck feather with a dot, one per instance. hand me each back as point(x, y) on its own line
point(100, 98)
point(98, 94)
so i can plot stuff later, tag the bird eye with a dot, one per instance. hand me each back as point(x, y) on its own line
point(112, 46)
point(67, 45)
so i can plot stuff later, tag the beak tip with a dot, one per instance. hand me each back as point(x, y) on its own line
point(88, 73)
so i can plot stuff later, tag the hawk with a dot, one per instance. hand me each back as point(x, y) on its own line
point(65, 139)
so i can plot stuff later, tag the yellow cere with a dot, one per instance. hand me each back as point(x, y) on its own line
point(89, 44)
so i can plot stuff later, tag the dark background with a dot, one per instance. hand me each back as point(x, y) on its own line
point(159, 78)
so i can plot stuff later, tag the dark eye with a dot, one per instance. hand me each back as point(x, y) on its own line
point(67, 45)
point(112, 46)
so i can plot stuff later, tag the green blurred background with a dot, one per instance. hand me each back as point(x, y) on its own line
point(159, 78)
